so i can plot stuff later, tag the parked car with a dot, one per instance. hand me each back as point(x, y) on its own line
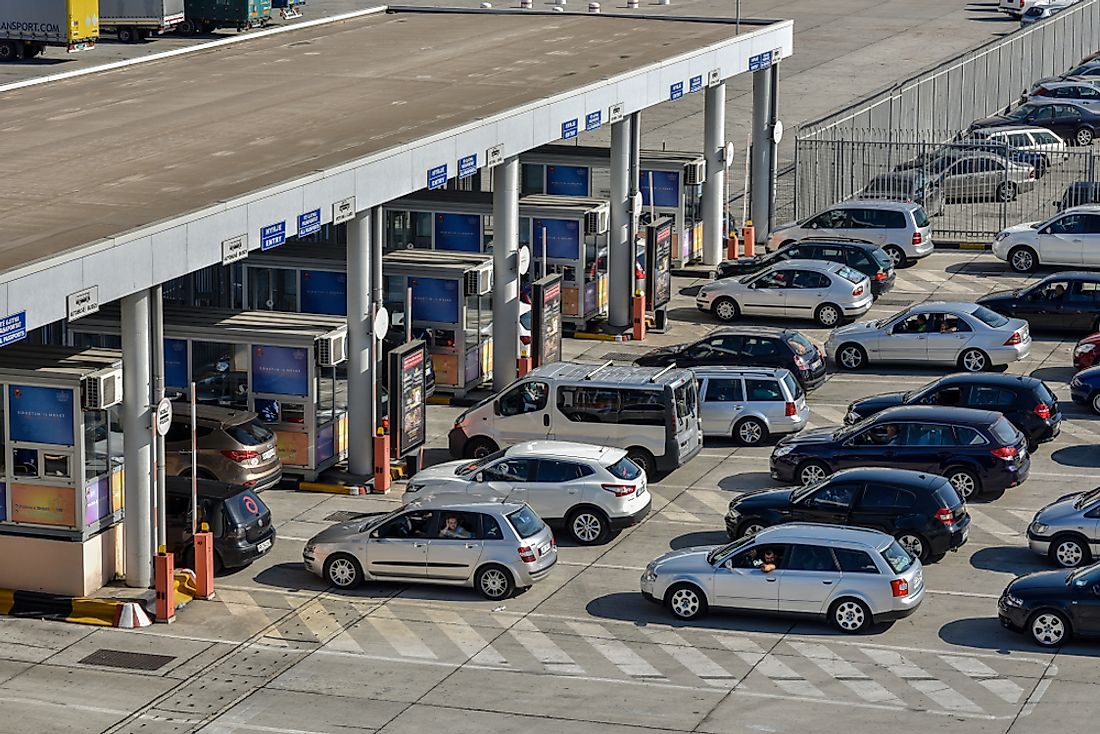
point(979, 451)
point(1085, 388)
point(1067, 531)
point(849, 577)
point(1078, 193)
point(915, 186)
point(1053, 606)
point(827, 292)
point(238, 519)
point(869, 259)
point(233, 446)
point(965, 334)
point(1042, 11)
point(590, 490)
point(984, 177)
point(1068, 89)
point(492, 546)
point(1087, 70)
point(1074, 121)
point(1026, 402)
point(1016, 8)
point(900, 228)
point(923, 511)
point(1035, 146)
point(746, 346)
point(750, 404)
point(1057, 302)
point(1071, 237)
point(1086, 352)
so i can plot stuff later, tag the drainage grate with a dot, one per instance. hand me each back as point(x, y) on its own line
point(127, 660)
point(627, 357)
point(343, 516)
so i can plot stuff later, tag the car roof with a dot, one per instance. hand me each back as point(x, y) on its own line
point(889, 476)
point(840, 241)
point(937, 414)
point(793, 532)
point(566, 450)
point(775, 331)
point(464, 502)
point(818, 265)
point(181, 413)
point(928, 306)
point(989, 378)
point(1070, 81)
point(1072, 275)
point(1086, 208)
point(609, 374)
point(877, 204)
point(207, 488)
point(1006, 129)
point(1044, 101)
point(730, 371)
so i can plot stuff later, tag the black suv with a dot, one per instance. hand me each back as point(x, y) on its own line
point(239, 521)
point(1063, 301)
point(746, 346)
point(923, 511)
point(978, 451)
point(1027, 402)
point(866, 257)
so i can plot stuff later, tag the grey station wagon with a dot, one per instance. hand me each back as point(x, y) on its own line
point(1067, 531)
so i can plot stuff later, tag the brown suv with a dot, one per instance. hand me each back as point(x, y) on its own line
point(233, 446)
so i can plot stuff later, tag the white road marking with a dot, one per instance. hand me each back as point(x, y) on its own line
point(402, 639)
point(318, 619)
point(770, 666)
point(467, 639)
point(986, 676)
point(693, 659)
point(1026, 515)
point(935, 689)
point(989, 525)
point(833, 416)
point(1073, 428)
point(616, 651)
point(544, 649)
point(848, 674)
point(720, 503)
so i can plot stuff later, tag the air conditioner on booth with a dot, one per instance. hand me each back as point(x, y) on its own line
point(102, 389)
point(332, 349)
point(479, 282)
point(597, 221)
point(695, 173)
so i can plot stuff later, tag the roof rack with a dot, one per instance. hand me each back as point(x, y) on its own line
point(653, 378)
point(605, 365)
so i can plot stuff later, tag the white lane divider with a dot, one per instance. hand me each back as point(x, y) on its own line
point(395, 632)
point(832, 416)
point(989, 525)
point(693, 659)
point(467, 639)
point(616, 651)
point(935, 689)
point(986, 677)
point(771, 667)
point(543, 649)
point(849, 675)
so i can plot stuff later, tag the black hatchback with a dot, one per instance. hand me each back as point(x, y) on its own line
point(923, 511)
point(978, 451)
point(1058, 302)
point(238, 519)
point(866, 257)
point(1027, 402)
point(746, 346)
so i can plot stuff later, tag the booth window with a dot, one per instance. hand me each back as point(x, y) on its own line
point(331, 392)
point(273, 289)
point(534, 179)
point(219, 374)
point(406, 229)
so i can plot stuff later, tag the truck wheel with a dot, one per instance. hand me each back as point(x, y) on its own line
point(126, 34)
point(7, 51)
point(209, 26)
point(187, 27)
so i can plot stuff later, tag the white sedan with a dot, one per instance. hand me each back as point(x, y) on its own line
point(1071, 238)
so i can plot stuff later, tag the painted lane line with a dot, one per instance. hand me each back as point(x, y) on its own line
point(986, 677)
point(402, 639)
point(621, 656)
point(832, 416)
point(545, 650)
point(467, 639)
point(848, 674)
point(935, 689)
point(989, 525)
point(771, 667)
point(694, 660)
point(319, 621)
point(718, 502)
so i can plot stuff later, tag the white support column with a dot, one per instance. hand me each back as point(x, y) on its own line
point(505, 272)
point(761, 158)
point(714, 187)
point(156, 341)
point(360, 354)
point(620, 250)
point(375, 368)
point(137, 440)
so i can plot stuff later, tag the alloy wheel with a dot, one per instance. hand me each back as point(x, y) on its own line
point(587, 527)
point(849, 616)
point(342, 572)
point(684, 603)
point(851, 357)
point(493, 583)
point(725, 310)
point(828, 316)
point(964, 484)
point(1069, 553)
point(973, 360)
point(1048, 629)
point(912, 543)
point(750, 432)
point(751, 529)
point(812, 473)
point(1022, 260)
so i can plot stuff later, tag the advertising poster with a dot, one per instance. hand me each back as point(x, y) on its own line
point(459, 232)
point(666, 188)
point(563, 238)
point(342, 436)
point(567, 180)
point(280, 370)
point(435, 299)
point(39, 505)
point(41, 414)
point(175, 363)
point(659, 261)
point(546, 320)
point(408, 412)
point(117, 499)
point(97, 500)
point(293, 447)
point(326, 444)
point(324, 291)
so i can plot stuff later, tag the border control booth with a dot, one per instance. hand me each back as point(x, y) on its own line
point(288, 368)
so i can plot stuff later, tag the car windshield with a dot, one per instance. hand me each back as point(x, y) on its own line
point(526, 522)
point(1086, 498)
point(803, 492)
point(1084, 576)
point(624, 468)
point(989, 318)
point(723, 552)
point(467, 469)
point(897, 557)
point(1020, 112)
point(914, 393)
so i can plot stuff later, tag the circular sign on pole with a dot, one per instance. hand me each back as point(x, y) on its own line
point(164, 416)
point(728, 159)
point(524, 259)
point(777, 131)
point(381, 323)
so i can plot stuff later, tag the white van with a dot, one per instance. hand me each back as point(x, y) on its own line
point(652, 413)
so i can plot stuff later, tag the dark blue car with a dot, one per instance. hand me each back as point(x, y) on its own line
point(1084, 388)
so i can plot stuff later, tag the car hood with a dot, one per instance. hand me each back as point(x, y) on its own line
point(1043, 582)
point(874, 403)
point(1022, 227)
point(994, 121)
point(815, 435)
point(687, 558)
point(342, 532)
point(1058, 509)
point(763, 499)
point(439, 472)
point(857, 329)
point(999, 298)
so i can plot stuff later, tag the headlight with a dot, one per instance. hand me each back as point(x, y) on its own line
point(1039, 528)
point(414, 488)
point(1013, 601)
point(782, 450)
point(1084, 348)
point(310, 548)
point(650, 574)
point(852, 417)
point(1000, 236)
point(732, 512)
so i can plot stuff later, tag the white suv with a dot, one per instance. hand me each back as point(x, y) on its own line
point(591, 490)
point(1071, 238)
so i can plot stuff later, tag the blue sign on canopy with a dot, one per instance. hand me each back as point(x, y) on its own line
point(593, 120)
point(460, 232)
point(467, 166)
point(13, 328)
point(437, 177)
point(272, 235)
point(563, 238)
point(435, 299)
point(280, 370)
point(567, 180)
point(676, 91)
point(569, 129)
point(695, 84)
point(309, 223)
point(666, 188)
point(324, 291)
point(40, 414)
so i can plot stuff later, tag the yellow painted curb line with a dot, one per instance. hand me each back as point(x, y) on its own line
point(100, 612)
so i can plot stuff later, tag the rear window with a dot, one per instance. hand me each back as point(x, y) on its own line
point(252, 433)
point(1044, 395)
point(1005, 432)
point(920, 217)
point(882, 258)
point(686, 400)
point(800, 344)
point(989, 318)
point(793, 388)
point(526, 522)
point(947, 496)
point(852, 276)
point(246, 506)
point(897, 558)
point(624, 468)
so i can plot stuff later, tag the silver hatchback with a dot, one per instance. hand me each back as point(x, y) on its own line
point(750, 404)
point(1067, 531)
point(495, 547)
point(851, 577)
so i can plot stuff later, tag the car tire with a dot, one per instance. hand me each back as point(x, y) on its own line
point(850, 615)
point(828, 315)
point(812, 471)
point(643, 459)
point(1083, 136)
point(494, 582)
point(749, 527)
point(966, 483)
point(1094, 401)
point(1023, 259)
point(1069, 551)
point(914, 543)
point(588, 526)
point(343, 571)
point(897, 255)
point(974, 360)
point(851, 356)
point(479, 447)
point(750, 432)
point(686, 601)
point(1007, 191)
point(1048, 628)
point(725, 309)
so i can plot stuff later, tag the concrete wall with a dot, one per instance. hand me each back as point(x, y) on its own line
point(61, 566)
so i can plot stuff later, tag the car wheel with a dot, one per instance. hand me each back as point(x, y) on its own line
point(588, 526)
point(812, 471)
point(851, 356)
point(974, 360)
point(965, 482)
point(896, 254)
point(828, 315)
point(914, 544)
point(1006, 191)
point(751, 527)
point(725, 309)
point(1023, 259)
point(1083, 136)
point(1048, 628)
point(850, 615)
point(1095, 402)
point(750, 432)
point(343, 571)
point(479, 447)
point(494, 582)
point(1068, 551)
point(686, 601)
point(643, 459)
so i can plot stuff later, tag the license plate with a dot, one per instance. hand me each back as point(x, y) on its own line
point(816, 363)
point(264, 546)
point(966, 534)
point(544, 549)
point(267, 455)
point(641, 490)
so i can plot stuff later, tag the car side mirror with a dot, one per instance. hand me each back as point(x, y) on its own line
point(1045, 230)
point(479, 477)
point(496, 407)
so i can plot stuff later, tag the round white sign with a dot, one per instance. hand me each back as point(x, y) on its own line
point(164, 416)
point(381, 323)
point(524, 260)
point(777, 131)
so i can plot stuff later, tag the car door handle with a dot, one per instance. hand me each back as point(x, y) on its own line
point(546, 419)
point(770, 579)
point(471, 545)
point(827, 582)
point(419, 545)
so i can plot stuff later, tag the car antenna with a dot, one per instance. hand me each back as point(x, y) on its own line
point(608, 363)
point(666, 369)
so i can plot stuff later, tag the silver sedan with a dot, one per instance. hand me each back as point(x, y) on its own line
point(966, 334)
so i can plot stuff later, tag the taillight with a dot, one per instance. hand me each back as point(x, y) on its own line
point(800, 362)
point(526, 554)
point(1016, 338)
point(917, 238)
point(790, 409)
point(619, 490)
point(945, 515)
point(1042, 91)
point(553, 541)
point(880, 275)
point(1004, 452)
point(524, 339)
point(857, 291)
point(240, 456)
point(1031, 173)
point(1043, 411)
point(899, 587)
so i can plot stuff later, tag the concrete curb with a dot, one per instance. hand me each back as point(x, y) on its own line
point(79, 610)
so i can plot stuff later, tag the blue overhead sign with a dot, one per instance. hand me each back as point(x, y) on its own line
point(567, 180)
point(13, 328)
point(676, 91)
point(695, 84)
point(272, 235)
point(563, 238)
point(437, 177)
point(760, 61)
point(461, 232)
point(569, 129)
point(467, 166)
point(593, 120)
point(309, 223)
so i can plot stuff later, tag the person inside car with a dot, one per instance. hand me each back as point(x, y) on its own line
point(451, 529)
point(767, 561)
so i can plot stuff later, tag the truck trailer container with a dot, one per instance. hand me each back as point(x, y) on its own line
point(27, 27)
point(133, 21)
point(205, 16)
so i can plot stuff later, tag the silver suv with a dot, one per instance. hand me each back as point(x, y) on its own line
point(750, 404)
point(1067, 531)
point(850, 577)
point(495, 547)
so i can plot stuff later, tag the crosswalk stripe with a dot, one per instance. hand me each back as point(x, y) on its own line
point(833, 416)
point(989, 525)
point(1026, 515)
point(717, 502)
point(395, 632)
point(616, 651)
point(694, 660)
point(771, 667)
point(318, 620)
point(849, 675)
point(935, 689)
point(668, 513)
point(467, 639)
point(986, 676)
point(544, 649)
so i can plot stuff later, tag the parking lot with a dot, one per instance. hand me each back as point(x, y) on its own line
point(277, 651)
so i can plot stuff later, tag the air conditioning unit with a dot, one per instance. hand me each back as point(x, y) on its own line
point(695, 173)
point(597, 221)
point(479, 282)
point(332, 349)
point(102, 389)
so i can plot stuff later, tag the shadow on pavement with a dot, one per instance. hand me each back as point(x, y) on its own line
point(1080, 456)
point(633, 607)
point(747, 480)
point(1008, 559)
point(985, 633)
point(702, 537)
point(289, 577)
point(1054, 374)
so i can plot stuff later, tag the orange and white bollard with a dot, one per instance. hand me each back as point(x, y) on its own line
point(731, 246)
point(164, 581)
point(204, 563)
point(381, 462)
point(639, 316)
point(523, 366)
point(748, 234)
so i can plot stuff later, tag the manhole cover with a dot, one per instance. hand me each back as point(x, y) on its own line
point(622, 356)
point(127, 660)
